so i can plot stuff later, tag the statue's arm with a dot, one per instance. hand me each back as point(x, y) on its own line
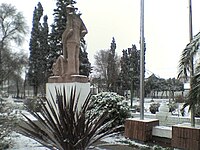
point(69, 29)
point(84, 30)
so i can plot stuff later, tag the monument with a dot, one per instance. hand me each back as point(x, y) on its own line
point(66, 67)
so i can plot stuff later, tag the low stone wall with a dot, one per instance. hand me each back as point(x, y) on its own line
point(168, 120)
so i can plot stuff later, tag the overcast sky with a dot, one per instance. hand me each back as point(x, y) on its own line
point(166, 27)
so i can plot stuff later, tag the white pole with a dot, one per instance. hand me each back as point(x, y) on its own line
point(142, 60)
point(190, 20)
point(191, 61)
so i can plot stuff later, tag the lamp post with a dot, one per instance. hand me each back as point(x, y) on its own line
point(142, 59)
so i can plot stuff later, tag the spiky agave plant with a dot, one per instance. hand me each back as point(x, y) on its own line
point(62, 125)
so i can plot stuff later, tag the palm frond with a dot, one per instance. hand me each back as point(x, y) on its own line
point(194, 93)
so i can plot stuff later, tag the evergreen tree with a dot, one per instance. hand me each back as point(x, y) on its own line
point(38, 46)
point(44, 50)
point(112, 72)
point(85, 65)
point(124, 74)
point(58, 27)
point(130, 69)
point(134, 71)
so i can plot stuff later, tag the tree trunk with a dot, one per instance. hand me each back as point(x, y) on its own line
point(35, 90)
point(17, 86)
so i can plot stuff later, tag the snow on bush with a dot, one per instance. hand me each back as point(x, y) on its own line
point(116, 105)
point(8, 122)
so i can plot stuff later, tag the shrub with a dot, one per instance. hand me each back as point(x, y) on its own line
point(8, 122)
point(180, 99)
point(172, 106)
point(33, 104)
point(154, 107)
point(62, 125)
point(136, 108)
point(116, 105)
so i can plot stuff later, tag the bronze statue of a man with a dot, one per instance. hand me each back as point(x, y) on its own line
point(75, 30)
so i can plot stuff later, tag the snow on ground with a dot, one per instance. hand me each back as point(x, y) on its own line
point(20, 142)
point(121, 140)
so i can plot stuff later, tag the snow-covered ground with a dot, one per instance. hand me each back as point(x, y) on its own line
point(20, 142)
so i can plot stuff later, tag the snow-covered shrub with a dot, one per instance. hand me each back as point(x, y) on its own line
point(172, 106)
point(154, 107)
point(8, 122)
point(33, 104)
point(136, 108)
point(116, 105)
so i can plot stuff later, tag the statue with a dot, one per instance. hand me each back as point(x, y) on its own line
point(68, 63)
point(75, 30)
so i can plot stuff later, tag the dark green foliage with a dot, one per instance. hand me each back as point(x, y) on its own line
point(115, 104)
point(154, 107)
point(85, 65)
point(134, 66)
point(124, 74)
point(130, 69)
point(112, 70)
point(186, 69)
point(61, 124)
point(39, 48)
point(193, 98)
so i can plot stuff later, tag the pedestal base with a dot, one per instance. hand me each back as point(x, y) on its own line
point(140, 129)
point(82, 90)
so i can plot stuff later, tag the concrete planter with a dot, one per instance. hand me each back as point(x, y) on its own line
point(186, 137)
point(140, 129)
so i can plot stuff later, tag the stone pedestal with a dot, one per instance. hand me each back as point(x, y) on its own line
point(140, 129)
point(186, 137)
point(81, 88)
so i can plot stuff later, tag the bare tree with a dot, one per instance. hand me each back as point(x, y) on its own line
point(13, 27)
point(101, 67)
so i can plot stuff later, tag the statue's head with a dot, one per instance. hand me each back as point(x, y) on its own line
point(71, 9)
